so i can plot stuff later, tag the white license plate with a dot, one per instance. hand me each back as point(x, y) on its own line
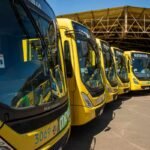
point(101, 111)
point(115, 97)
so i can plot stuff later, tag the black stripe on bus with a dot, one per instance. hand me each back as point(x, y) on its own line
point(32, 123)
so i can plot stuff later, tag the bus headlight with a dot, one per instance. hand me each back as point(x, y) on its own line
point(4, 145)
point(135, 81)
point(87, 100)
point(4, 148)
point(100, 100)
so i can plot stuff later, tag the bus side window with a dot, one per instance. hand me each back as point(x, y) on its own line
point(67, 59)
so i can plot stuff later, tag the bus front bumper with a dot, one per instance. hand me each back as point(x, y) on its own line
point(140, 87)
point(83, 115)
point(123, 90)
point(59, 144)
point(111, 97)
point(23, 141)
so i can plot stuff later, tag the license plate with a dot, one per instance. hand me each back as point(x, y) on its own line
point(147, 88)
point(126, 91)
point(101, 111)
point(115, 97)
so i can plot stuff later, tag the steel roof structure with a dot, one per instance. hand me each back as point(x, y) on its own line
point(125, 27)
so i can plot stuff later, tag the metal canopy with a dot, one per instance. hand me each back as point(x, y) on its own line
point(125, 27)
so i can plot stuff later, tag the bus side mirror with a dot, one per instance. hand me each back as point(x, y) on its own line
point(92, 58)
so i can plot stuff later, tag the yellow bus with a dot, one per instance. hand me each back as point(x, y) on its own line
point(108, 70)
point(121, 70)
point(85, 83)
point(138, 69)
point(34, 102)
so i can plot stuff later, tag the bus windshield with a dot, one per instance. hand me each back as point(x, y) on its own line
point(141, 65)
point(90, 74)
point(29, 74)
point(121, 65)
point(109, 63)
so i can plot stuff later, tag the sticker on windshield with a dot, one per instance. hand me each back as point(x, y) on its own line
point(84, 70)
point(118, 70)
point(106, 69)
point(2, 63)
point(78, 41)
point(135, 70)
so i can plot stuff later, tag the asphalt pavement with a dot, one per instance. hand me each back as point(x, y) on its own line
point(124, 125)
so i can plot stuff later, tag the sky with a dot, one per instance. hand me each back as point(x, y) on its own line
point(71, 6)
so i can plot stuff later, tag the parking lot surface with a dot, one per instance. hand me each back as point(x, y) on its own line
point(124, 125)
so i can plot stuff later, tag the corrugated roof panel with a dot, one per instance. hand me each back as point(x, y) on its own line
point(125, 26)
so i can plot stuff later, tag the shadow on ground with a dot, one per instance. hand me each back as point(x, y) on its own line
point(140, 93)
point(82, 138)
